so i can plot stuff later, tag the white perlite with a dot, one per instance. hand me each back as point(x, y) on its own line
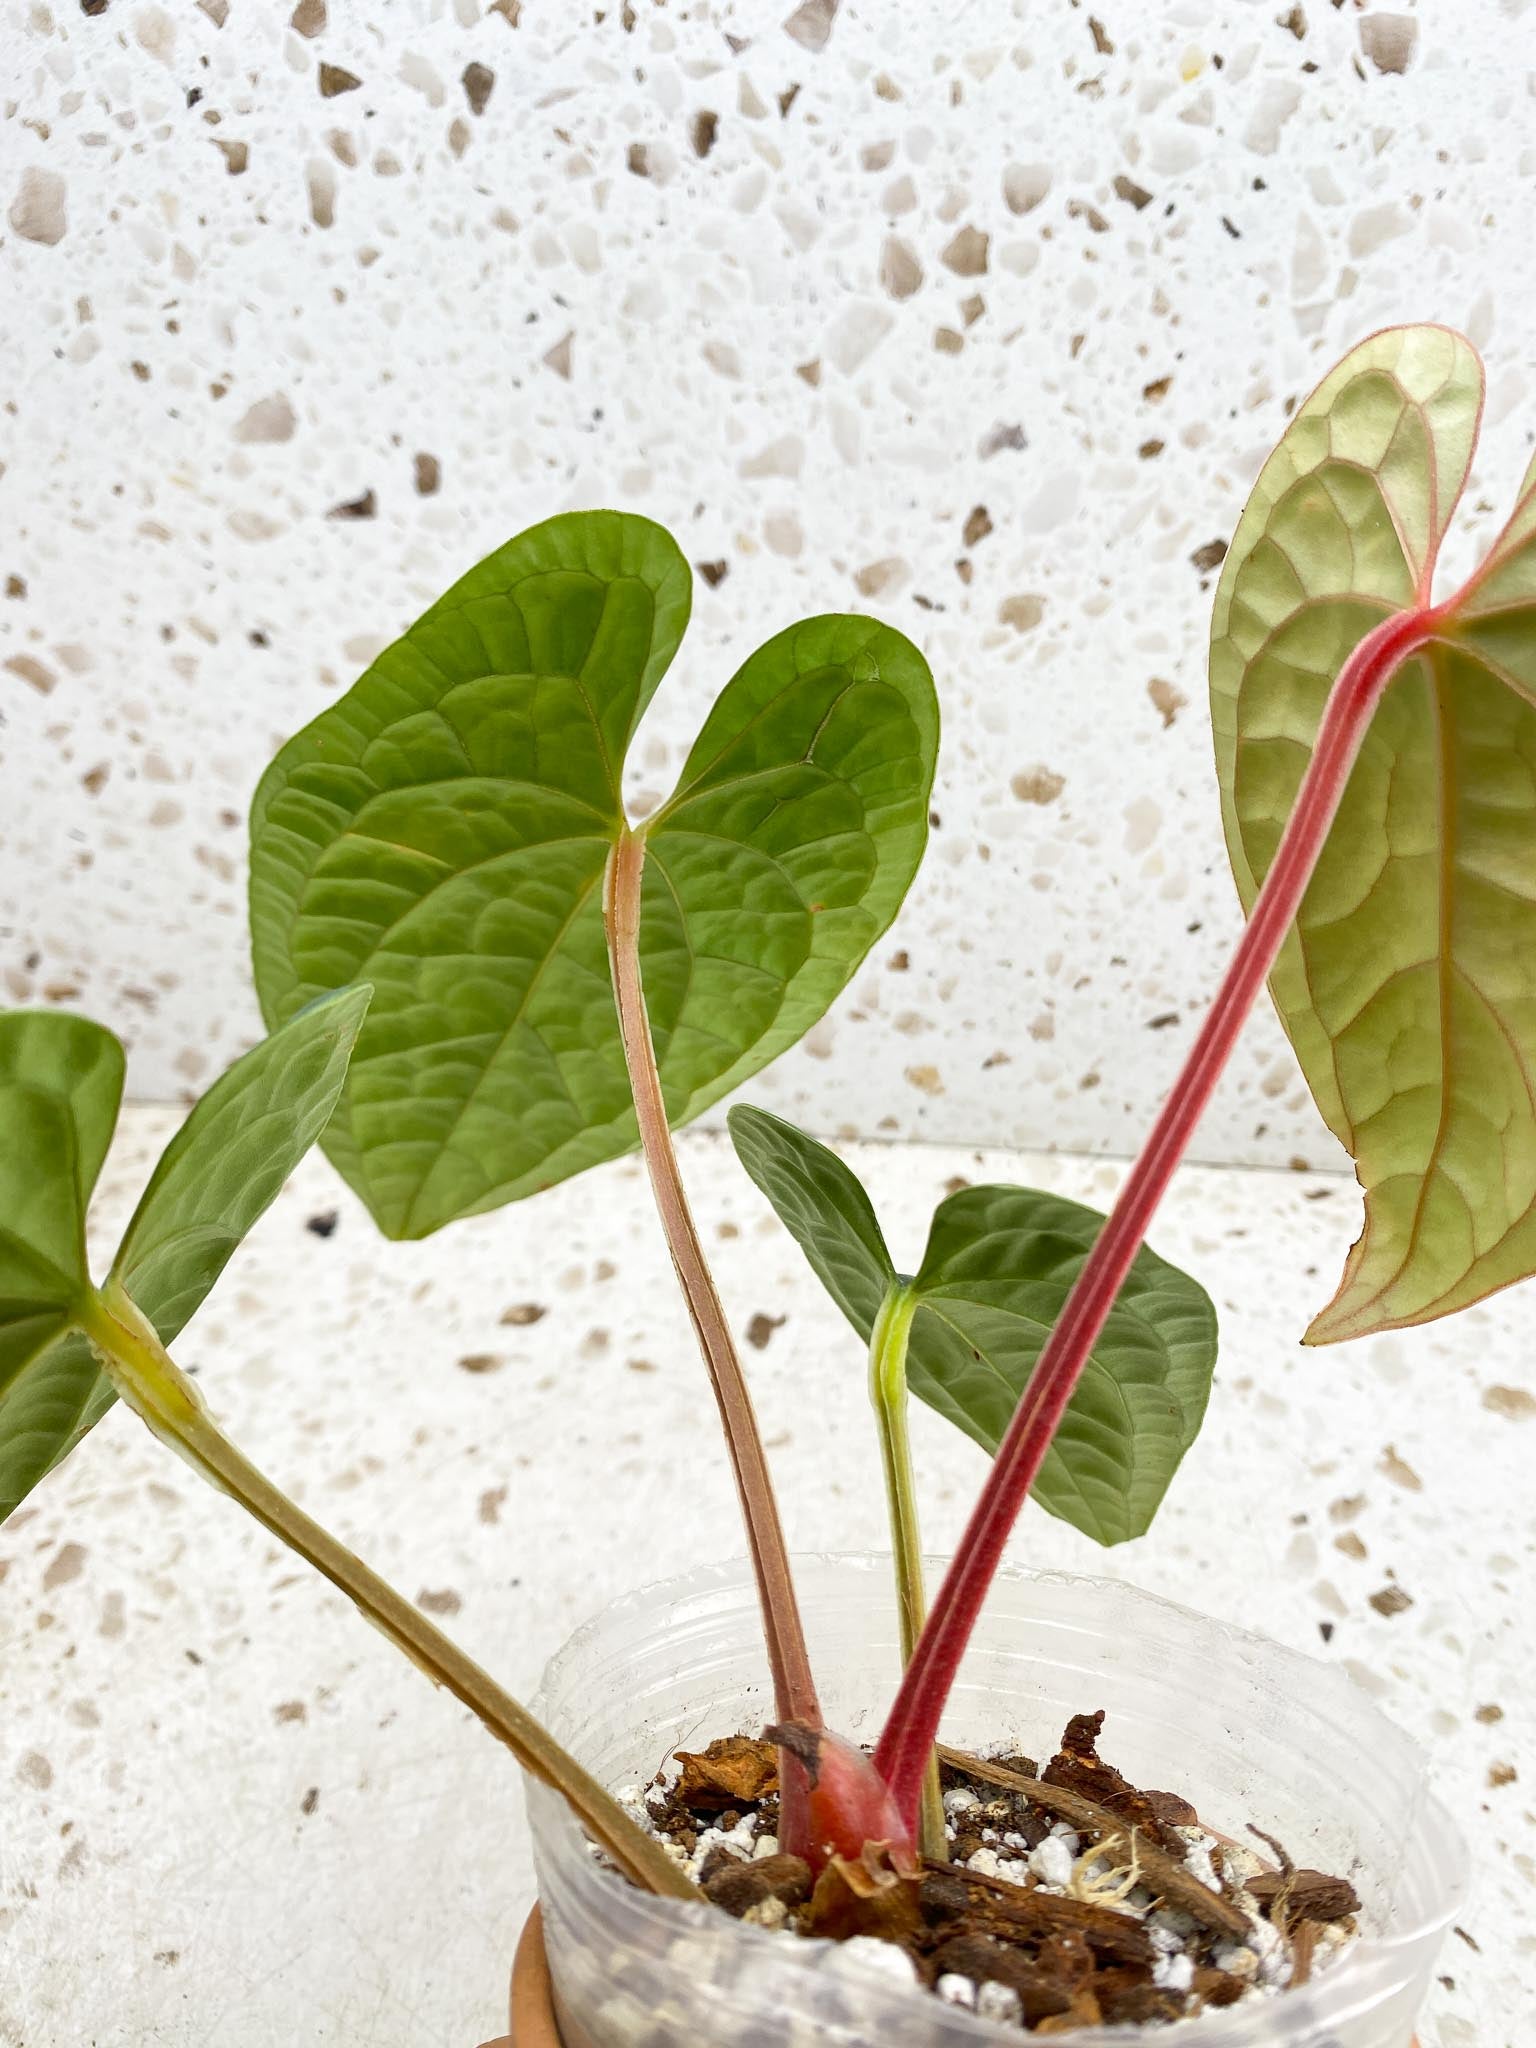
point(1197, 1856)
point(1000, 2002)
point(1052, 1863)
point(1173, 1972)
point(740, 1840)
point(864, 1950)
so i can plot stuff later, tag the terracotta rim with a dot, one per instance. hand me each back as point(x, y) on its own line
point(533, 2005)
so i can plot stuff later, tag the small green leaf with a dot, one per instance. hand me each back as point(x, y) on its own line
point(226, 1164)
point(61, 1081)
point(214, 1179)
point(822, 1204)
point(444, 832)
point(997, 1269)
point(1408, 985)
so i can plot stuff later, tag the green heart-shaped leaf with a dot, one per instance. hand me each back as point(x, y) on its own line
point(997, 1269)
point(444, 831)
point(61, 1081)
point(1408, 985)
point(215, 1178)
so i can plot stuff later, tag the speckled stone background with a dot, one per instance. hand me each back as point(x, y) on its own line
point(981, 317)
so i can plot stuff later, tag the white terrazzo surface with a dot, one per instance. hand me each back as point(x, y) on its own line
point(979, 315)
point(229, 1813)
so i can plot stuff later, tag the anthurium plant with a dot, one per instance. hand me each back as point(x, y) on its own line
point(481, 976)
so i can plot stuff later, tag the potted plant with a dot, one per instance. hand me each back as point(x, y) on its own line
point(480, 977)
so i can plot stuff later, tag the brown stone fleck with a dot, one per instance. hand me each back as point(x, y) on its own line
point(1168, 701)
point(706, 126)
point(1210, 556)
point(1007, 436)
point(320, 180)
point(978, 524)
point(1513, 1403)
point(1038, 785)
point(65, 1565)
point(38, 213)
point(900, 272)
point(811, 23)
point(1391, 1600)
point(443, 1601)
point(427, 474)
point(364, 507)
point(334, 80)
point(876, 577)
point(479, 81)
point(32, 671)
point(761, 1328)
point(561, 358)
point(966, 252)
point(522, 1313)
point(1399, 1471)
point(1389, 40)
point(1023, 612)
point(1132, 193)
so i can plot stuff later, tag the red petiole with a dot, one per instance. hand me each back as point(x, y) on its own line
point(913, 1725)
point(794, 1688)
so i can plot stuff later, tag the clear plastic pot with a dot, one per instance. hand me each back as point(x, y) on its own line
point(1250, 1731)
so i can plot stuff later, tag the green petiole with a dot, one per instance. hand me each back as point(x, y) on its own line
point(162, 1396)
point(888, 1392)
